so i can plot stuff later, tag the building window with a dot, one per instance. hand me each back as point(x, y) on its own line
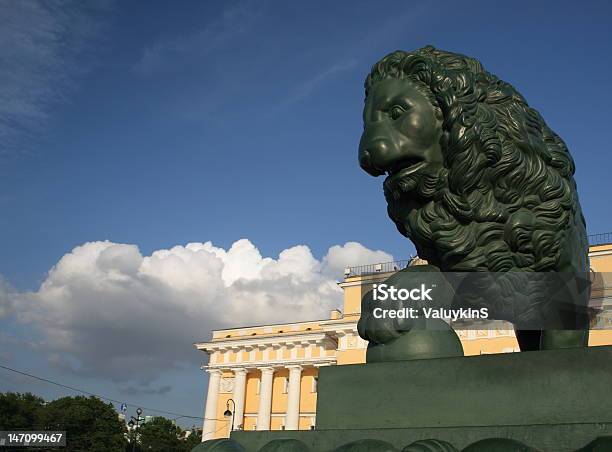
point(285, 385)
point(315, 381)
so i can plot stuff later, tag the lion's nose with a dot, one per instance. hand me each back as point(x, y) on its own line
point(370, 155)
point(365, 162)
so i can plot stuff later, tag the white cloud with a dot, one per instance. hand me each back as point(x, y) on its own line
point(106, 310)
point(7, 298)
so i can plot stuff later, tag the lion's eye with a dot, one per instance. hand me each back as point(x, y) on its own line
point(396, 111)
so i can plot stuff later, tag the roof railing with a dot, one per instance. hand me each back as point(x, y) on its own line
point(372, 269)
point(386, 267)
point(600, 239)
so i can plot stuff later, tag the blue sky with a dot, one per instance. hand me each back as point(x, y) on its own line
point(166, 123)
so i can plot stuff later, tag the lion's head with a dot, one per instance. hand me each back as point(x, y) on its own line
point(475, 177)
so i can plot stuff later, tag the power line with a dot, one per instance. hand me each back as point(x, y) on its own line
point(96, 395)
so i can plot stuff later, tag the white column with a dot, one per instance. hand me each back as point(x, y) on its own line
point(239, 390)
point(210, 414)
point(265, 399)
point(293, 399)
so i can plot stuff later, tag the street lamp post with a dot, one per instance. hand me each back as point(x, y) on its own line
point(135, 421)
point(227, 413)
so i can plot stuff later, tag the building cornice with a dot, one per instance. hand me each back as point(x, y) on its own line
point(272, 363)
point(249, 342)
point(270, 326)
point(600, 253)
point(339, 327)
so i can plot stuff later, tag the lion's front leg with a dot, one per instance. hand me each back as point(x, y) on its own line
point(412, 336)
point(531, 340)
point(417, 344)
point(556, 339)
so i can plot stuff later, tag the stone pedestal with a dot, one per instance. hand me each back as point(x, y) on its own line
point(572, 386)
point(557, 401)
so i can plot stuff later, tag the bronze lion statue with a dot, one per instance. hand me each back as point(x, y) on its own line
point(476, 179)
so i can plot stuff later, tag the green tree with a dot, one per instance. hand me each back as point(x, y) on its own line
point(159, 435)
point(90, 424)
point(20, 411)
point(192, 440)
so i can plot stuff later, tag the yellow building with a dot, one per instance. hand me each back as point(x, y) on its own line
point(270, 371)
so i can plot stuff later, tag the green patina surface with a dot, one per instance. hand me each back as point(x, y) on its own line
point(544, 387)
point(479, 183)
point(546, 438)
point(519, 396)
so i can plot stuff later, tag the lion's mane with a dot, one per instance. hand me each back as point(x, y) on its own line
point(506, 197)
